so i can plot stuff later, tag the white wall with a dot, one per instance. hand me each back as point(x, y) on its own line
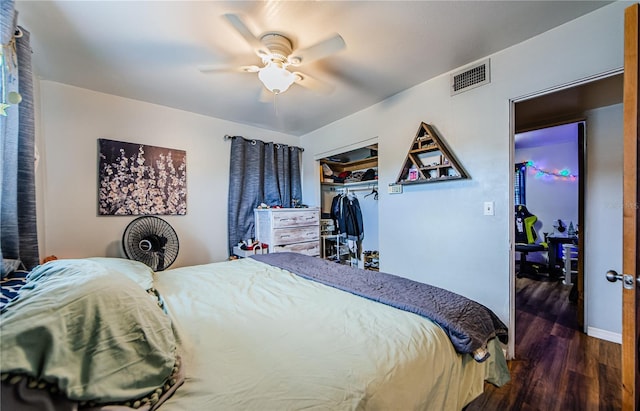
point(436, 233)
point(72, 119)
point(369, 208)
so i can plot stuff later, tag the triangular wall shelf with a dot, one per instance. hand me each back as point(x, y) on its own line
point(429, 160)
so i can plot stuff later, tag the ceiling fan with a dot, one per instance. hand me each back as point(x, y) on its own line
point(277, 53)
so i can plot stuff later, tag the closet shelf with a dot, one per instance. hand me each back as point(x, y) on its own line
point(369, 162)
point(354, 184)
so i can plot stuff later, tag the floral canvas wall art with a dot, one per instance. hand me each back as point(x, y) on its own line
point(137, 179)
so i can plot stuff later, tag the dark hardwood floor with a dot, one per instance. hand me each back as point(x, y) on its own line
point(557, 367)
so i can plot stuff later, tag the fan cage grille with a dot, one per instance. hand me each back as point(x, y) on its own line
point(151, 228)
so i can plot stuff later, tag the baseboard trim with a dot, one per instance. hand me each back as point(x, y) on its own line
point(604, 335)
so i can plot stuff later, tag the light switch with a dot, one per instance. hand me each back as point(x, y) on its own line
point(488, 208)
point(395, 189)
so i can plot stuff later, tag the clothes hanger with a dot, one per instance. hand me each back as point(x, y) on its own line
point(373, 192)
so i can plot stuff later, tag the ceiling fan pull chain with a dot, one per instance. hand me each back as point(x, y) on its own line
point(275, 105)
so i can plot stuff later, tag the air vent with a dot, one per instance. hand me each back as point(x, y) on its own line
point(470, 77)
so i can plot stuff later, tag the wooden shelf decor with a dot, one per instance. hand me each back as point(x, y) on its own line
point(429, 160)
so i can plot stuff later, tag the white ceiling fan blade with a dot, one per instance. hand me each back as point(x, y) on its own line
point(214, 68)
point(249, 69)
point(311, 83)
point(217, 68)
point(247, 34)
point(318, 51)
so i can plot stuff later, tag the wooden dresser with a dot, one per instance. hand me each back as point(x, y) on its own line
point(289, 229)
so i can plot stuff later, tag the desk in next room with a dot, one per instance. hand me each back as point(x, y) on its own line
point(555, 253)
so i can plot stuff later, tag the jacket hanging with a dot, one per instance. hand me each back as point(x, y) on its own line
point(345, 210)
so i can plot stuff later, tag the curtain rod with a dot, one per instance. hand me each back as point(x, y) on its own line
point(228, 137)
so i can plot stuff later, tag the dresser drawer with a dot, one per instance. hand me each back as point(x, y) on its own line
point(295, 218)
point(311, 248)
point(289, 229)
point(295, 235)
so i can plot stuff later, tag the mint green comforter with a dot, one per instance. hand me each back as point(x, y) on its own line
point(90, 330)
point(256, 337)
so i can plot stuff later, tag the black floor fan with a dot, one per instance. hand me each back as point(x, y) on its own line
point(152, 241)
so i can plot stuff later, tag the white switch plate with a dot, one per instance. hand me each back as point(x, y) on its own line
point(395, 189)
point(488, 208)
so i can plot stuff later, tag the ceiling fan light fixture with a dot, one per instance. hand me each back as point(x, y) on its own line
point(275, 78)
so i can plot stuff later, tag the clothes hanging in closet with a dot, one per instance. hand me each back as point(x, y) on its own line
point(345, 210)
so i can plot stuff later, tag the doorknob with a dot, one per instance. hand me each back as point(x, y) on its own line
point(627, 280)
point(613, 276)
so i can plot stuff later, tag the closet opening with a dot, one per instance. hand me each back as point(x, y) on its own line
point(349, 207)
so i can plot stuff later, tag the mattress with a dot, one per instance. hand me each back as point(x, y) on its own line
point(256, 337)
point(104, 334)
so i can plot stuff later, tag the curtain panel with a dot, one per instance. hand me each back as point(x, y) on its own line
point(260, 172)
point(18, 230)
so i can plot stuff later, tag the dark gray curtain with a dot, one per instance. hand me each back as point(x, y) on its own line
point(260, 172)
point(18, 230)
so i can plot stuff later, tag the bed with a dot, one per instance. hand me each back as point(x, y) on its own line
point(272, 332)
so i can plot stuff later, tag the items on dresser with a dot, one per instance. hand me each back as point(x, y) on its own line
point(249, 248)
point(289, 229)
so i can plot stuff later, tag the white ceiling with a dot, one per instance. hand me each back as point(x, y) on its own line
point(151, 50)
point(547, 136)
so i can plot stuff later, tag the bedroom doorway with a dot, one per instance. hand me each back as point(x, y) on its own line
point(548, 170)
point(549, 164)
point(591, 102)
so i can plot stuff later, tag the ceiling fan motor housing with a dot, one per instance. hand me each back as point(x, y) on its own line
point(276, 50)
point(279, 46)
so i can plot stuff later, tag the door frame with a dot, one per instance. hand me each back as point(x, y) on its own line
point(630, 213)
point(582, 147)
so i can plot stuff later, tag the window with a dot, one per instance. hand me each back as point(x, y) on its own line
point(519, 188)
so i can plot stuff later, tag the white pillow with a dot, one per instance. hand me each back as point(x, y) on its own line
point(139, 272)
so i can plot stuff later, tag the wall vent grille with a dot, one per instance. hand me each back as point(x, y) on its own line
point(470, 77)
